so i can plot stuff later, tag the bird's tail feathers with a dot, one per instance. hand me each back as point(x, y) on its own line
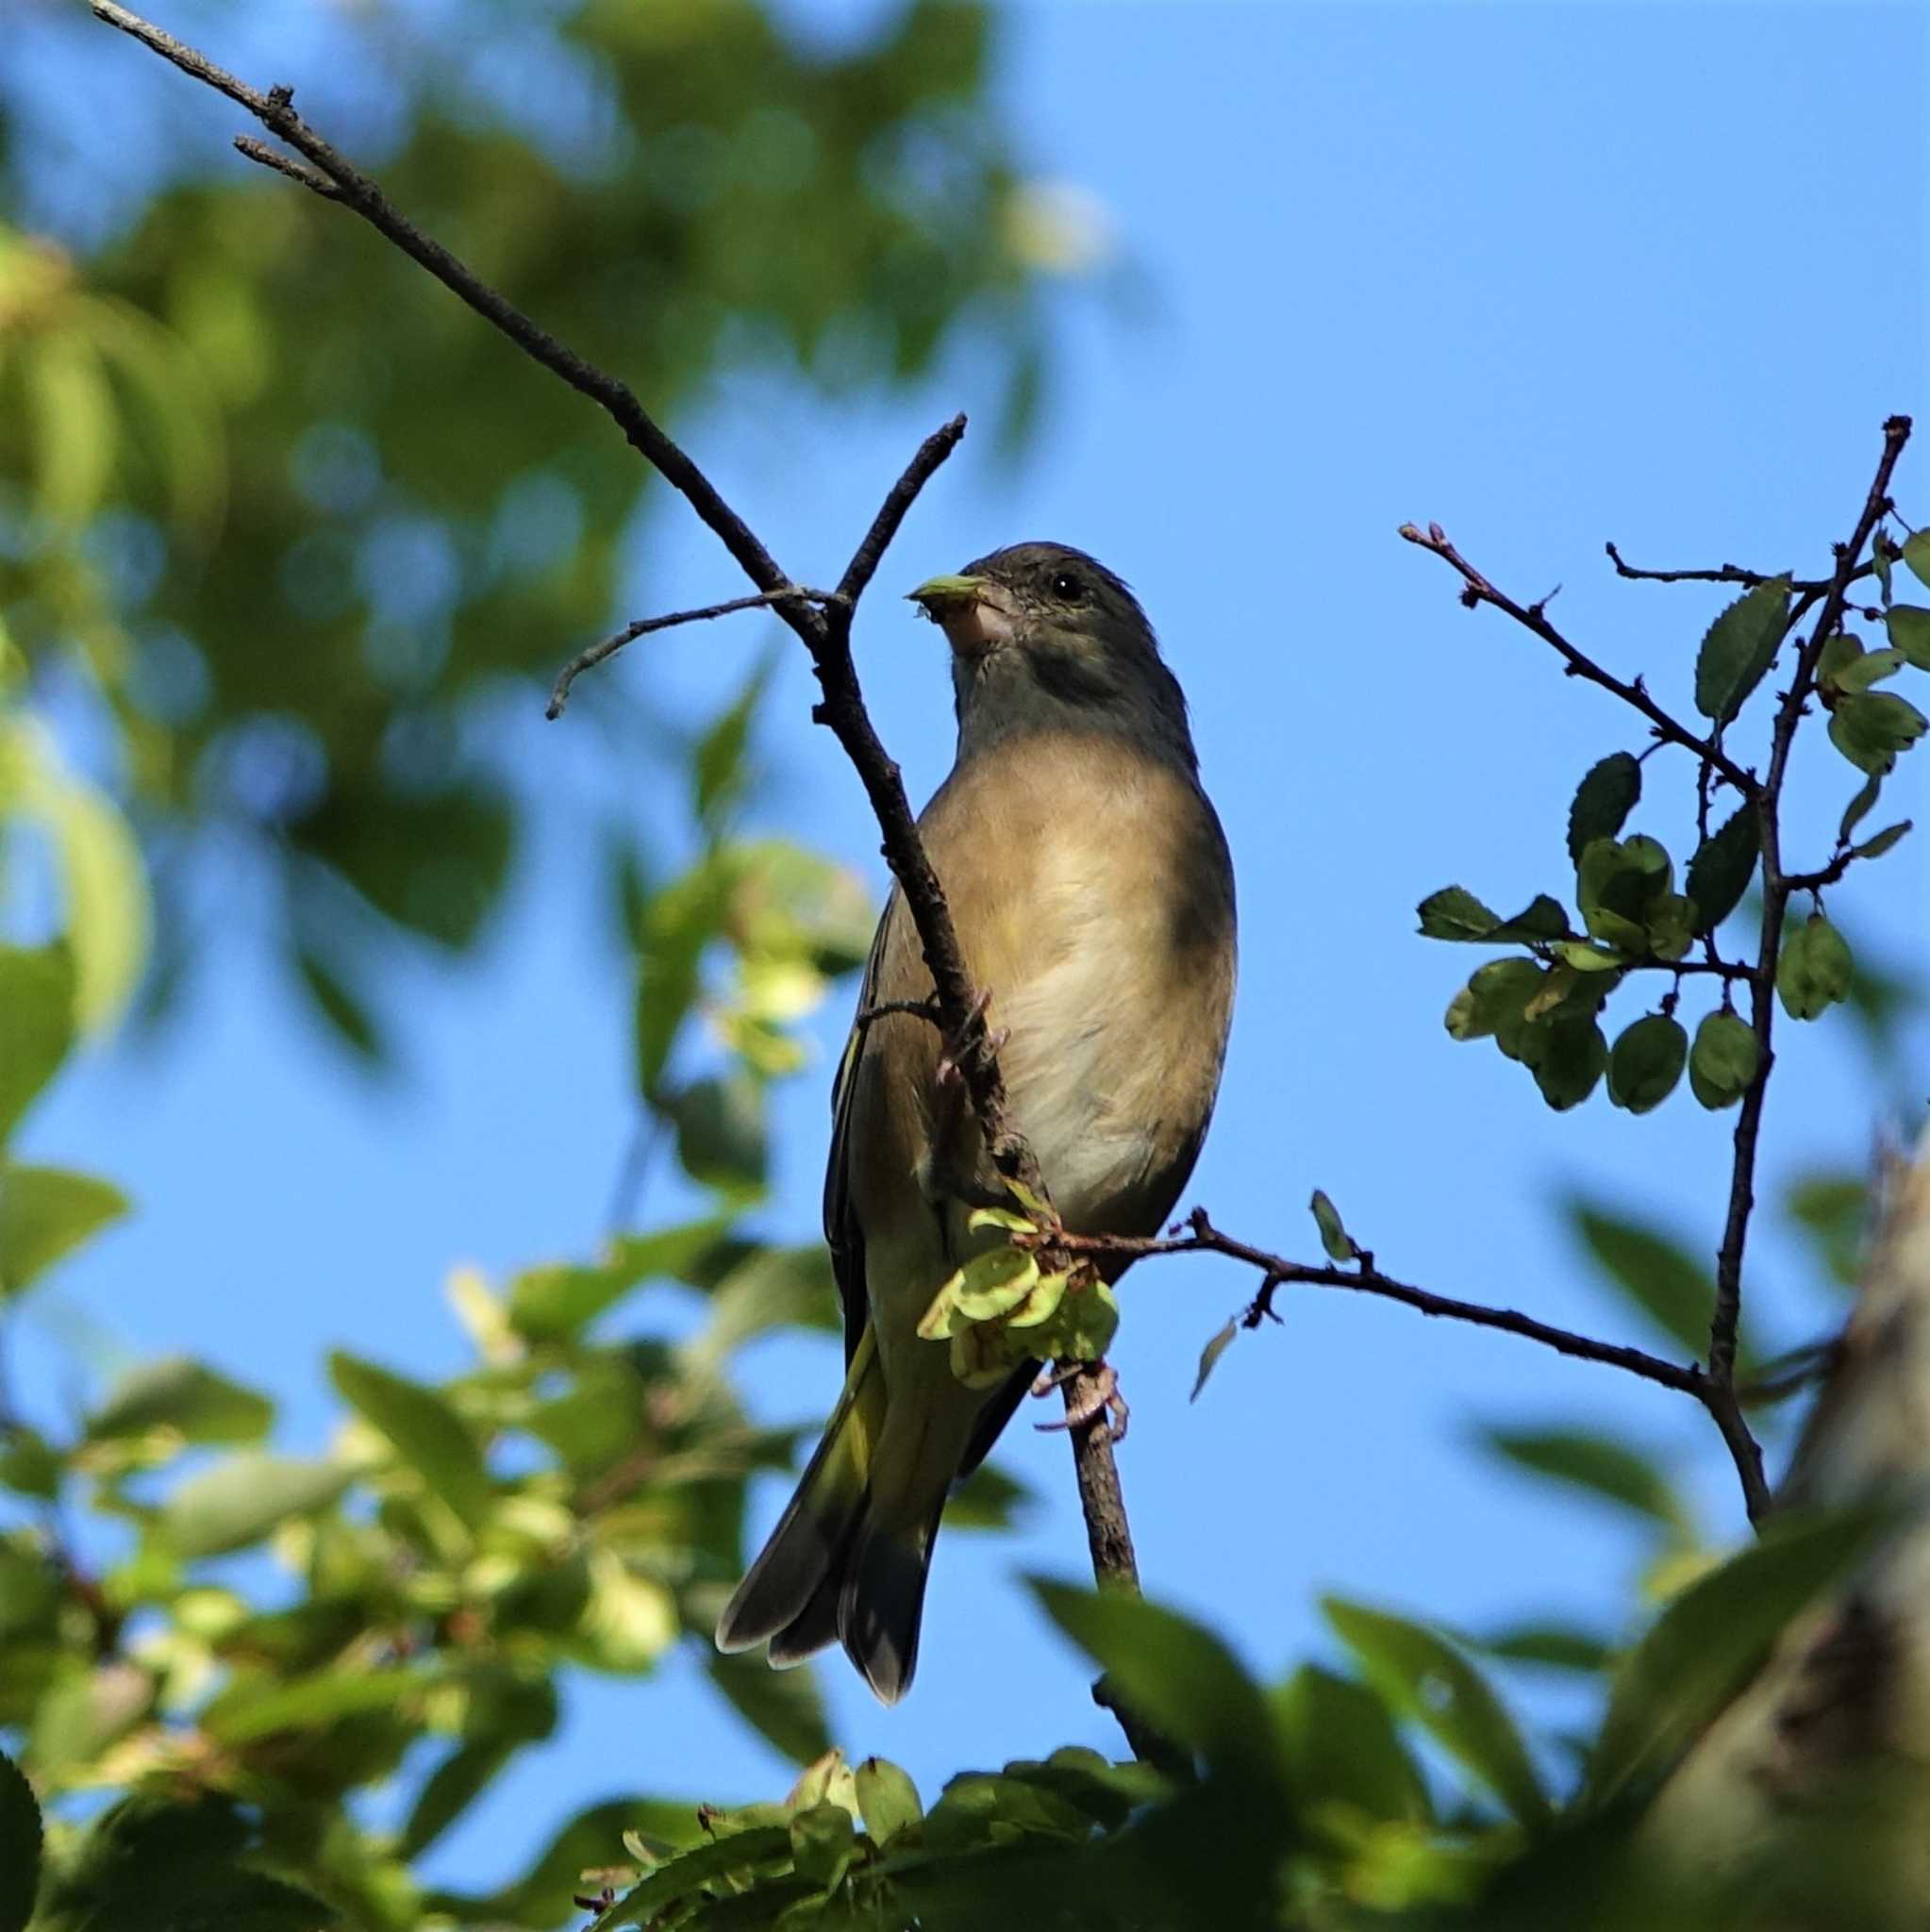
point(791, 1592)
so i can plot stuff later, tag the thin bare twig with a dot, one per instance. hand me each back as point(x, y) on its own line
point(1202, 1237)
point(608, 647)
point(1726, 574)
point(1534, 617)
point(1777, 888)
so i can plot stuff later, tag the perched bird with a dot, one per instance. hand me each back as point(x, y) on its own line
point(1091, 885)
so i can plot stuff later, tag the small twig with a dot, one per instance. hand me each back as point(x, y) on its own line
point(918, 1009)
point(1202, 1237)
point(1729, 573)
point(260, 151)
point(1534, 617)
point(1777, 888)
point(588, 659)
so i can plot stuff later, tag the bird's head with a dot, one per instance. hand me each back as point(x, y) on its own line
point(1043, 635)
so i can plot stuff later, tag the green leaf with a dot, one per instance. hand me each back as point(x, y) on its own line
point(734, 1856)
point(1673, 921)
point(1597, 1464)
point(45, 1213)
point(1723, 864)
point(679, 922)
point(242, 1499)
point(721, 1129)
point(19, 1847)
point(1880, 842)
point(1570, 1060)
point(1916, 554)
point(1178, 1676)
point(784, 1708)
point(345, 1010)
point(1342, 1746)
point(1710, 1641)
point(1859, 809)
point(1426, 1680)
point(1723, 1061)
point(1222, 1341)
point(1871, 730)
point(1675, 1292)
point(1882, 551)
point(1833, 1211)
point(1554, 1646)
point(1909, 632)
point(177, 1393)
point(555, 1301)
point(455, 1783)
point(1863, 669)
point(718, 765)
point(1815, 969)
point(1646, 1061)
point(1602, 802)
point(1495, 994)
point(36, 1024)
point(989, 1498)
point(888, 1799)
point(1455, 913)
point(1739, 647)
point(1334, 1238)
point(256, 1705)
point(425, 1432)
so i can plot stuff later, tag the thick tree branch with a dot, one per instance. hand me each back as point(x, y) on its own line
point(822, 623)
point(1534, 617)
point(1777, 888)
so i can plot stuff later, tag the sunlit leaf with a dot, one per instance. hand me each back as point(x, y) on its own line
point(177, 1393)
point(426, 1433)
point(45, 1213)
point(1430, 1683)
point(37, 989)
point(243, 1498)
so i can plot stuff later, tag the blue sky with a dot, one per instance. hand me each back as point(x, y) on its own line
point(1549, 275)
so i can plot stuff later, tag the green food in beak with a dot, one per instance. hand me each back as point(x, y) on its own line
point(939, 596)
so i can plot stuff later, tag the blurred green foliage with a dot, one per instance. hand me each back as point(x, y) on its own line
point(266, 562)
point(281, 553)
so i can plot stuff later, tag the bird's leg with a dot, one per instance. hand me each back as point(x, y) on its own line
point(955, 1042)
point(1103, 1399)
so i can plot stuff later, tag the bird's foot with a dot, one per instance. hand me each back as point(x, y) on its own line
point(1103, 1399)
point(995, 1038)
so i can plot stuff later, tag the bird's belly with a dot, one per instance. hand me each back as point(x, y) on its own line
point(1088, 1068)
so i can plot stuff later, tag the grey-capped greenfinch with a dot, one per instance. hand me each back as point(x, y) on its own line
point(1092, 892)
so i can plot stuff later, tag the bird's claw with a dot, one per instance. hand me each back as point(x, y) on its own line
point(1104, 1399)
point(995, 1038)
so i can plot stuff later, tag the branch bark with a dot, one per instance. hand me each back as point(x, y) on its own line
point(1777, 888)
point(1534, 617)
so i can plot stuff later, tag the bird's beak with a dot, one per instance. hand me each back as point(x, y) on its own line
point(942, 597)
point(974, 614)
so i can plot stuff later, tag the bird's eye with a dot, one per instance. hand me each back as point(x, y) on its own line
point(1066, 587)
